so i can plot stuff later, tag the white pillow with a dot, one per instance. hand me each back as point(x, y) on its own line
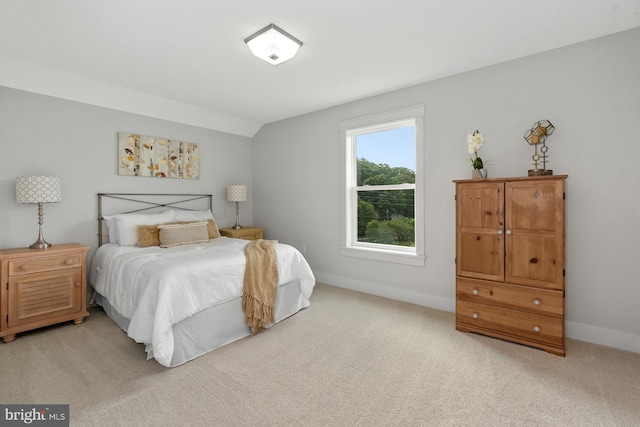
point(112, 232)
point(191, 216)
point(126, 225)
point(182, 215)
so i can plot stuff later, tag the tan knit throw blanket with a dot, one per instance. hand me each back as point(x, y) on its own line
point(260, 284)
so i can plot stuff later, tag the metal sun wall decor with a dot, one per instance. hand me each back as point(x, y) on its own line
point(140, 155)
point(535, 136)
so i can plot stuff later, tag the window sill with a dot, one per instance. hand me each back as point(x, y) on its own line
point(382, 255)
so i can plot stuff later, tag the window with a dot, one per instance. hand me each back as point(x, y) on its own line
point(382, 202)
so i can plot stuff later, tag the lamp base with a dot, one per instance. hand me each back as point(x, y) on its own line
point(40, 244)
point(540, 172)
point(237, 226)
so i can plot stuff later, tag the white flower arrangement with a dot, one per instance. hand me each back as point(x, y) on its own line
point(475, 141)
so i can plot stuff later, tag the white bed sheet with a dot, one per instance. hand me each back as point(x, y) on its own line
point(157, 288)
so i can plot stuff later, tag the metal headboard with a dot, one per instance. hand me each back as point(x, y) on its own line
point(166, 200)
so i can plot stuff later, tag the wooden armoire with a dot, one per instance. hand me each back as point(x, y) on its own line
point(510, 259)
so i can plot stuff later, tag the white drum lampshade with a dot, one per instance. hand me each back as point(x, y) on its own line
point(39, 189)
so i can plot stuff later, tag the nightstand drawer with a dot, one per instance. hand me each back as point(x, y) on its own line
point(44, 263)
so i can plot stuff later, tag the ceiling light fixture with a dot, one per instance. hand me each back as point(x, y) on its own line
point(273, 44)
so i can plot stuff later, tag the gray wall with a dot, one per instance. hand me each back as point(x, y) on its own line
point(589, 91)
point(42, 135)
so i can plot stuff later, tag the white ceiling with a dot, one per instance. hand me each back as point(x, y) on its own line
point(185, 60)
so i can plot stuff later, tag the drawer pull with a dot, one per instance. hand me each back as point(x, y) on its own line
point(24, 267)
point(69, 261)
point(78, 284)
point(536, 301)
point(499, 232)
point(475, 315)
point(509, 232)
point(476, 292)
point(536, 328)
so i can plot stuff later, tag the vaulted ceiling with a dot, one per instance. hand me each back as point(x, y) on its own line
point(185, 60)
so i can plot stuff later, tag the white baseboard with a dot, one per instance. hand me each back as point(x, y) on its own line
point(579, 331)
point(602, 336)
point(386, 292)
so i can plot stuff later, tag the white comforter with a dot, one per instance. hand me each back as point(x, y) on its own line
point(158, 287)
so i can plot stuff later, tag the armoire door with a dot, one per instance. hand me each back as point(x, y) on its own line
point(480, 226)
point(534, 233)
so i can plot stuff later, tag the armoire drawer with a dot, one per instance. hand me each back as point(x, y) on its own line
point(511, 323)
point(533, 300)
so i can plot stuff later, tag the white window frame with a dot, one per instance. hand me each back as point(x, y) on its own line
point(349, 130)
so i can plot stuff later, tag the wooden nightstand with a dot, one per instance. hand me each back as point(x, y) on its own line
point(246, 233)
point(41, 287)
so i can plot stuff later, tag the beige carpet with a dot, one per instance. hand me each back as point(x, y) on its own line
point(348, 360)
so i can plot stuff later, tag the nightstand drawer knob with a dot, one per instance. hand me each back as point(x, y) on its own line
point(24, 267)
point(78, 284)
point(536, 301)
point(475, 315)
point(476, 292)
point(69, 261)
point(536, 328)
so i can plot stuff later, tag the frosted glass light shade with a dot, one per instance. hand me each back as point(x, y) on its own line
point(273, 45)
point(237, 193)
point(38, 189)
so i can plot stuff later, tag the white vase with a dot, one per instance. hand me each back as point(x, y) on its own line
point(478, 173)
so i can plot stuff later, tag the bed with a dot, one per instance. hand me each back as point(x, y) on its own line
point(183, 300)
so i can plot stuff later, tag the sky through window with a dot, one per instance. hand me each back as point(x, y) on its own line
point(395, 147)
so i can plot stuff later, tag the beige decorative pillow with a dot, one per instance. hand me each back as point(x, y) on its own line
point(183, 234)
point(212, 228)
point(149, 235)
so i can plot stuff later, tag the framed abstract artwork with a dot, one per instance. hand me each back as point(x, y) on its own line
point(140, 155)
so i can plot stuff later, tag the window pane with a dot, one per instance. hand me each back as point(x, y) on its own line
point(387, 217)
point(387, 157)
point(382, 186)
